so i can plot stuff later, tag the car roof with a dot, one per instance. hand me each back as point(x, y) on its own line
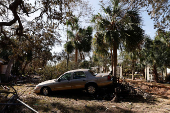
point(77, 70)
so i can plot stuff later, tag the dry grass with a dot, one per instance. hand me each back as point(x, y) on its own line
point(80, 101)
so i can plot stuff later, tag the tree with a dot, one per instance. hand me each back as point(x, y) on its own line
point(156, 52)
point(119, 27)
point(39, 31)
point(130, 58)
point(101, 56)
point(85, 64)
point(80, 39)
point(26, 54)
point(46, 11)
point(159, 10)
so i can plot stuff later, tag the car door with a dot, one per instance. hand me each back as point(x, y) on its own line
point(79, 80)
point(63, 82)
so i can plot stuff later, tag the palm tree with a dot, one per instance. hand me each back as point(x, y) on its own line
point(80, 39)
point(120, 28)
point(156, 52)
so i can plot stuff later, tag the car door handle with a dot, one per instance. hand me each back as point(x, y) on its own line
point(84, 80)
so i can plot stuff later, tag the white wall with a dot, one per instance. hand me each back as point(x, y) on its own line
point(168, 71)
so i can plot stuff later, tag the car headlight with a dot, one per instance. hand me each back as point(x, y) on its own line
point(37, 87)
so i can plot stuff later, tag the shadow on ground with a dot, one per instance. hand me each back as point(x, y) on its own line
point(103, 94)
point(75, 101)
point(68, 107)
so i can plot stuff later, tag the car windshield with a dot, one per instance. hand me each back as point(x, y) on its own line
point(66, 76)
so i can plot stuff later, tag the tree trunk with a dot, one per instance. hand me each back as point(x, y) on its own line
point(143, 73)
point(81, 57)
point(76, 55)
point(23, 69)
point(115, 58)
point(155, 73)
point(67, 60)
point(112, 60)
point(8, 70)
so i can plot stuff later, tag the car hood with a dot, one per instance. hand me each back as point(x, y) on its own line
point(48, 82)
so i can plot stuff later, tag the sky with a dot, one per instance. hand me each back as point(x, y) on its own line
point(147, 24)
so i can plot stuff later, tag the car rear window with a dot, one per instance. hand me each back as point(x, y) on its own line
point(94, 74)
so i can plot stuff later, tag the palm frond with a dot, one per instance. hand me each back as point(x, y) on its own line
point(69, 47)
point(70, 34)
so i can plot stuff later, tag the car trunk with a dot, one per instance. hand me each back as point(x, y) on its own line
point(102, 75)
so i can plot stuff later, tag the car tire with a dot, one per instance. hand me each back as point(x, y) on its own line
point(45, 91)
point(91, 89)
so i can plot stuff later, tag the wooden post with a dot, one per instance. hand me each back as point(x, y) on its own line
point(147, 78)
point(121, 70)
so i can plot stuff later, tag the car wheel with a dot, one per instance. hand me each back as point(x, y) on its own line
point(45, 91)
point(91, 89)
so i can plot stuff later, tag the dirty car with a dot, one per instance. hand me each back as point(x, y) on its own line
point(75, 79)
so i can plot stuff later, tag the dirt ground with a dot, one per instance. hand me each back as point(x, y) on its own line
point(79, 101)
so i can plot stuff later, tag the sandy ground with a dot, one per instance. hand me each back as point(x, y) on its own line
point(79, 101)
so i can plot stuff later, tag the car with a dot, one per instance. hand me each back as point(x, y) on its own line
point(75, 79)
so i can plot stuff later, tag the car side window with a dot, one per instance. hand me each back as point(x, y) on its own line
point(79, 75)
point(66, 76)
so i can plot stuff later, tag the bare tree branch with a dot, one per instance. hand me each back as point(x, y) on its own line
point(13, 7)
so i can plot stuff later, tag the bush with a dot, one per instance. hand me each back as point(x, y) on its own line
point(48, 72)
point(52, 72)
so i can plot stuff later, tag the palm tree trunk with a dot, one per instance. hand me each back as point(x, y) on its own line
point(80, 56)
point(112, 61)
point(67, 60)
point(115, 58)
point(76, 55)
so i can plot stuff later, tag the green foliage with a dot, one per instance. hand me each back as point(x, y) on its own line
point(48, 72)
point(157, 51)
point(119, 27)
point(157, 9)
point(101, 47)
point(69, 47)
point(80, 39)
point(101, 60)
point(73, 23)
point(85, 64)
point(133, 16)
point(133, 38)
point(85, 42)
point(52, 72)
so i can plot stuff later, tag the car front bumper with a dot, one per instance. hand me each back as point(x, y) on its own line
point(37, 89)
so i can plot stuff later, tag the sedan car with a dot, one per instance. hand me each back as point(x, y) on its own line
point(75, 79)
